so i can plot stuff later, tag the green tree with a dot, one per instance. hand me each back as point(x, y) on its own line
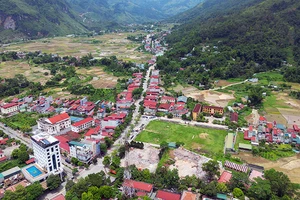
point(210, 189)
point(53, 182)
point(238, 193)
point(255, 96)
point(23, 156)
point(260, 189)
point(212, 169)
point(69, 185)
point(280, 182)
point(34, 191)
point(87, 196)
point(103, 148)
point(106, 192)
point(164, 145)
point(74, 170)
point(222, 188)
point(106, 161)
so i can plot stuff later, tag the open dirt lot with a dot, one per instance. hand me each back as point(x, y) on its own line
point(100, 78)
point(290, 166)
point(11, 68)
point(188, 163)
point(211, 97)
point(146, 158)
point(99, 46)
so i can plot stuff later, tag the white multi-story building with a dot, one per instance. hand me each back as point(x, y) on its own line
point(83, 124)
point(9, 108)
point(83, 152)
point(55, 125)
point(47, 153)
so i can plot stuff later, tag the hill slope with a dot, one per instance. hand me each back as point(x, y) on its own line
point(234, 38)
point(131, 11)
point(36, 18)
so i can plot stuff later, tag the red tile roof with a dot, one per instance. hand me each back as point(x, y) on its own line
point(31, 160)
point(186, 195)
point(167, 98)
point(197, 108)
point(234, 117)
point(296, 128)
point(9, 105)
point(3, 141)
point(3, 158)
point(138, 185)
point(225, 177)
point(84, 121)
point(71, 135)
point(58, 118)
point(59, 197)
point(269, 125)
point(261, 118)
point(163, 195)
point(246, 135)
point(93, 131)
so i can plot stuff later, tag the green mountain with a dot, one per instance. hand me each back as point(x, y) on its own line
point(130, 11)
point(37, 18)
point(235, 38)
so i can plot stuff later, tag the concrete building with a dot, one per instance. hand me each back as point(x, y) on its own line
point(83, 124)
point(9, 108)
point(46, 153)
point(196, 111)
point(55, 125)
point(81, 151)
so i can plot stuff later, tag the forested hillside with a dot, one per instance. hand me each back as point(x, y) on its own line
point(133, 11)
point(38, 18)
point(235, 38)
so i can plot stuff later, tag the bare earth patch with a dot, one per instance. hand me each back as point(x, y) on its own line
point(146, 158)
point(290, 165)
point(203, 135)
point(188, 163)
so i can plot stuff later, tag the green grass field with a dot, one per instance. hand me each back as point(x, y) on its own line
point(203, 140)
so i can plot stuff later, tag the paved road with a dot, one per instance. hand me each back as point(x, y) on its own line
point(16, 134)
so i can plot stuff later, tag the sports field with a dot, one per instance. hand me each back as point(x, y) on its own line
point(203, 140)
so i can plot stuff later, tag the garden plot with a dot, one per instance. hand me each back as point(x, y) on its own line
point(188, 163)
point(146, 158)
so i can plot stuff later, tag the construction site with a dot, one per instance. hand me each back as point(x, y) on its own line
point(146, 158)
point(188, 163)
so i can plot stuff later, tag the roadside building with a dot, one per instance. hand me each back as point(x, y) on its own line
point(165, 195)
point(46, 153)
point(213, 110)
point(83, 124)
point(196, 111)
point(225, 177)
point(81, 151)
point(140, 188)
point(9, 108)
point(187, 195)
point(55, 125)
point(234, 117)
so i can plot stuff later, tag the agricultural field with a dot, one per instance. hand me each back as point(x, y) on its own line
point(202, 140)
point(99, 46)
point(100, 78)
point(9, 69)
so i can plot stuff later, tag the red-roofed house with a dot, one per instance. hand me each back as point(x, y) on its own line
point(3, 141)
point(93, 133)
point(63, 144)
point(9, 108)
point(262, 120)
point(83, 124)
point(167, 99)
point(55, 125)
point(296, 128)
point(269, 125)
point(59, 197)
point(2, 156)
point(30, 161)
point(164, 107)
point(225, 177)
point(164, 195)
point(246, 135)
point(234, 117)
point(196, 111)
point(140, 188)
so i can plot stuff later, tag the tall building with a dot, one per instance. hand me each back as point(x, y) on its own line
point(55, 125)
point(47, 153)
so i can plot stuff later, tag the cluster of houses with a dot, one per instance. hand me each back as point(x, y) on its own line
point(155, 101)
point(139, 189)
point(272, 132)
point(206, 109)
point(155, 45)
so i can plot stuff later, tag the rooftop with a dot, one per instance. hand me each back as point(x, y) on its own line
point(225, 177)
point(164, 195)
point(58, 118)
point(84, 121)
point(197, 108)
point(138, 185)
point(44, 139)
